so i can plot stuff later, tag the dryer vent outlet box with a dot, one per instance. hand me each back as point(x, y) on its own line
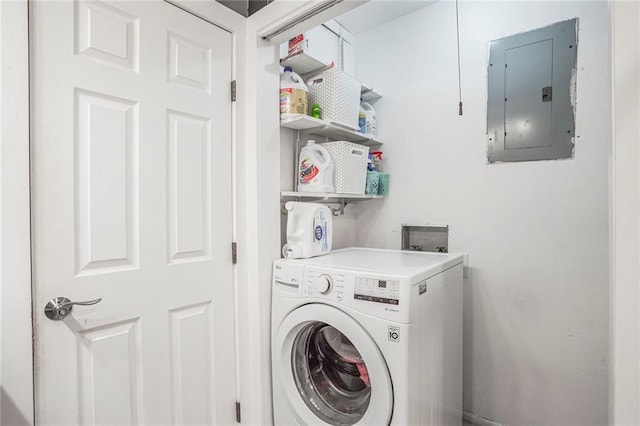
point(425, 238)
point(531, 77)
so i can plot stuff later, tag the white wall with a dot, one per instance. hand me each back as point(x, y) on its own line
point(536, 304)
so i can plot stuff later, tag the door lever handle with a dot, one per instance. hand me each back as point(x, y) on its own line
point(59, 308)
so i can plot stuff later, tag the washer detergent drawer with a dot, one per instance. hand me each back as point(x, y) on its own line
point(287, 278)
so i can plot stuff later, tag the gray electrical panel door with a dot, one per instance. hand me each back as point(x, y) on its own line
point(530, 114)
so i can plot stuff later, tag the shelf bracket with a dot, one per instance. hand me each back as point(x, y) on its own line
point(296, 162)
point(339, 211)
point(335, 211)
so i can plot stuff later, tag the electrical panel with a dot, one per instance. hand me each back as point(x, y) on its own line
point(531, 93)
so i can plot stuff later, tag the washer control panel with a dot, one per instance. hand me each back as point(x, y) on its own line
point(324, 284)
point(376, 290)
point(369, 293)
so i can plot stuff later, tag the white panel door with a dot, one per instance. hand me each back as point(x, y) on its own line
point(132, 195)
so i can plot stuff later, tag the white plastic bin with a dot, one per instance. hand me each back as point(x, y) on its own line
point(350, 166)
point(338, 95)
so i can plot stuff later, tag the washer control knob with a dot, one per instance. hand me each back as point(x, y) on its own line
point(324, 283)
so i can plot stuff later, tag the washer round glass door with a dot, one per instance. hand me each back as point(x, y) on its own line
point(331, 369)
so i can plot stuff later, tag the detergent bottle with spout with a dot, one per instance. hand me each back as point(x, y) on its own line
point(315, 169)
point(309, 230)
point(294, 94)
point(367, 119)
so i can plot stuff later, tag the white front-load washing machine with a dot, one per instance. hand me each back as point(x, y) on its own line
point(368, 337)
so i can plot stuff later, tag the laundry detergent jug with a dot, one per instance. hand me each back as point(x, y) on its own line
point(315, 169)
point(367, 119)
point(309, 230)
point(294, 94)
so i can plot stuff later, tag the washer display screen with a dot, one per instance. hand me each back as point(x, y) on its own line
point(374, 290)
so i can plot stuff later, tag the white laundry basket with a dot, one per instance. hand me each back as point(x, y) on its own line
point(350, 166)
point(338, 95)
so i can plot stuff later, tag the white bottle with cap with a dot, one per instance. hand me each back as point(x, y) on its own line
point(367, 119)
point(315, 169)
point(294, 94)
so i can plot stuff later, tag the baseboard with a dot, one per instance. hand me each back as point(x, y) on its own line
point(477, 420)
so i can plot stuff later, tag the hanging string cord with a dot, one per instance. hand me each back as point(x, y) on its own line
point(459, 72)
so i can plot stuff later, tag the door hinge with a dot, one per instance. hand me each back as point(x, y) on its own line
point(238, 418)
point(234, 253)
point(233, 91)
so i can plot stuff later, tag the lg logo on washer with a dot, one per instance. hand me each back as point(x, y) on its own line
point(394, 334)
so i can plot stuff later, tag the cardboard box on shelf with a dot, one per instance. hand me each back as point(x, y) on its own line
point(298, 44)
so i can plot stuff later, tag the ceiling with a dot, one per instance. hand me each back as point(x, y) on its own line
point(368, 16)
point(377, 12)
point(245, 7)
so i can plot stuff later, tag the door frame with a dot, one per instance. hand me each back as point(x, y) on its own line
point(16, 361)
point(624, 340)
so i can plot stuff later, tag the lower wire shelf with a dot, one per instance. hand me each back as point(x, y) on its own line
point(329, 196)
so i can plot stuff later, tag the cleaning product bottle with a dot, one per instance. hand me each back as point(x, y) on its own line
point(383, 178)
point(315, 111)
point(376, 160)
point(371, 184)
point(367, 119)
point(315, 169)
point(309, 230)
point(294, 94)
